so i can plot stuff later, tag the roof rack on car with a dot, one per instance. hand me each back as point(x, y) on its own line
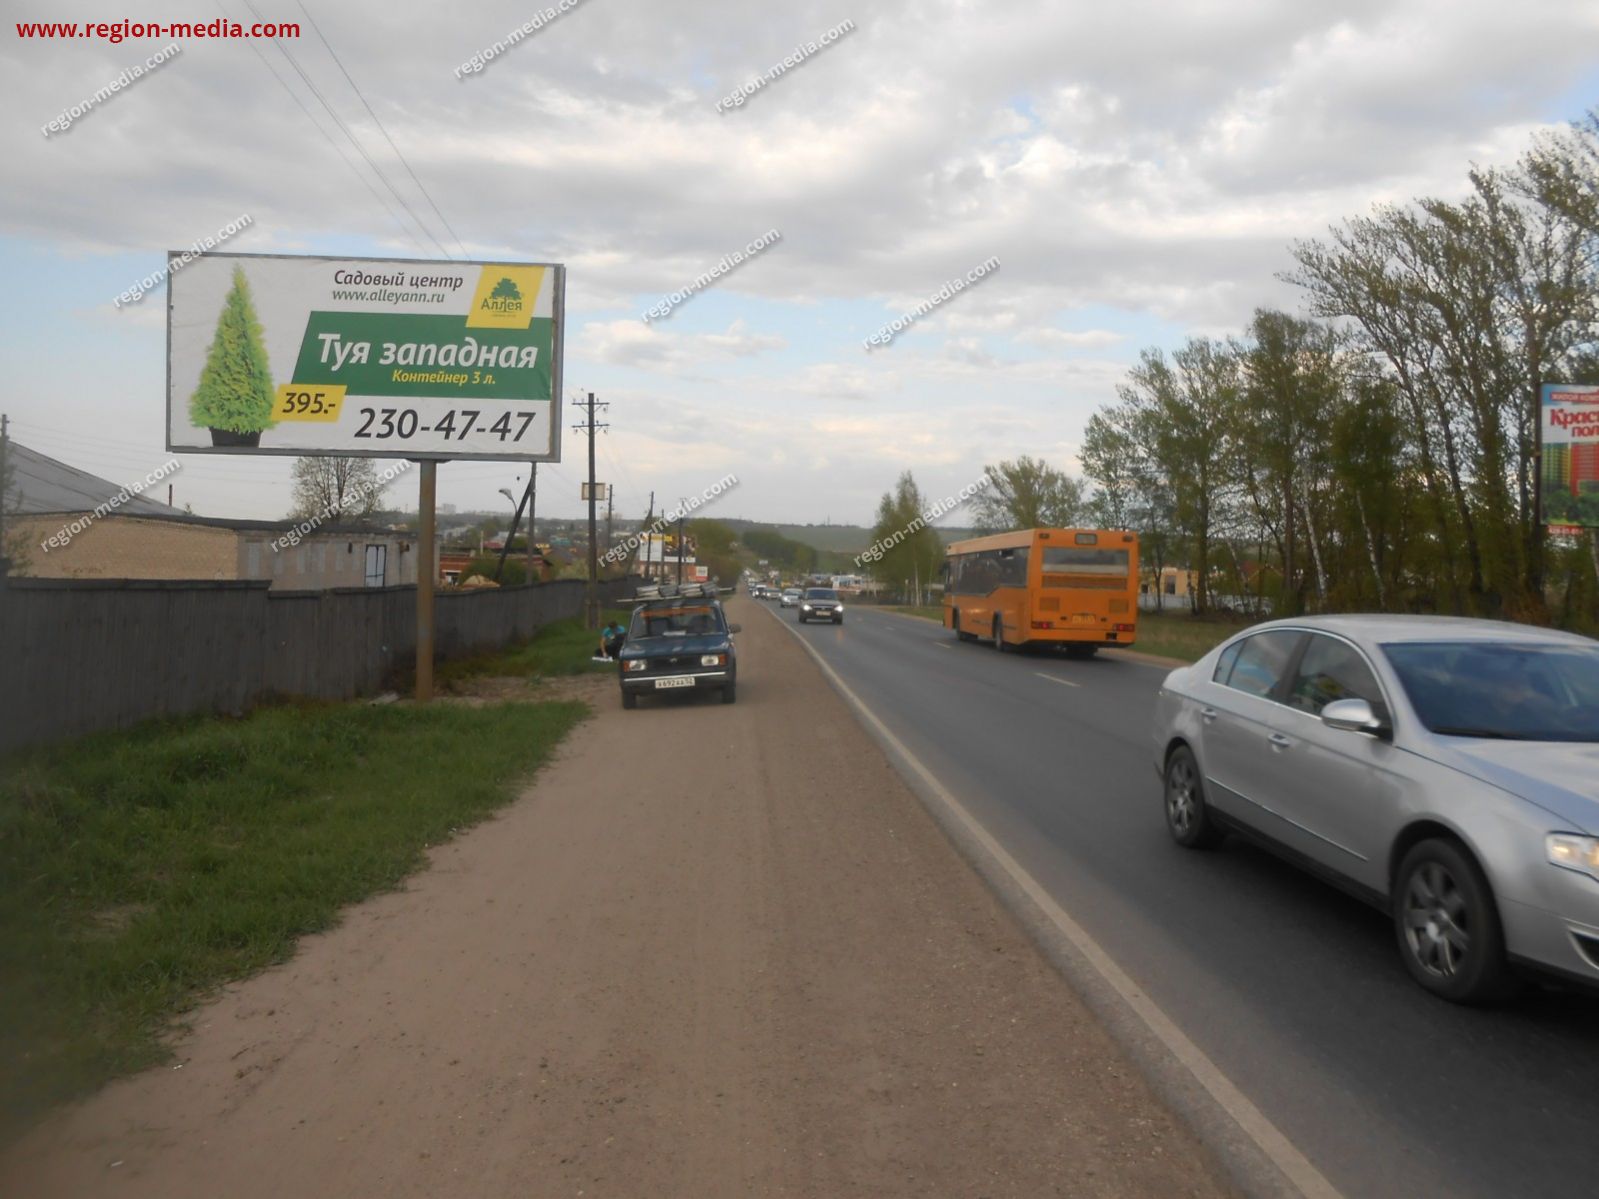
point(649, 591)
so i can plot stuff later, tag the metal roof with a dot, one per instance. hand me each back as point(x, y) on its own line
point(45, 485)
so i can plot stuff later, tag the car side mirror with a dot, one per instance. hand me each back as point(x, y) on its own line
point(735, 628)
point(1354, 716)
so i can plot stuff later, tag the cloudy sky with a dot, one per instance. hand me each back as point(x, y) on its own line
point(1139, 170)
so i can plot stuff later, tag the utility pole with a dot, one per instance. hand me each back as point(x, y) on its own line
point(682, 514)
point(647, 531)
point(591, 428)
point(610, 492)
point(5, 436)
point(1540, 531)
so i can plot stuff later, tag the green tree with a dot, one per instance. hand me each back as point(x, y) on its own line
point(1119, 453)
point(1027, 493)
point(907, 553)
point(784, 553)
point(1279, 437)
point(714, 549)
point(1183, 410)
point(513, 575)
point(235, 391)
point(1110, 458)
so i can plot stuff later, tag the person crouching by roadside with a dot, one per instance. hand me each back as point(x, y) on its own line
point(611, 638)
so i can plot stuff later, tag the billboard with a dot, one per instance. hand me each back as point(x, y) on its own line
point(1568, 431)
point(364, 357)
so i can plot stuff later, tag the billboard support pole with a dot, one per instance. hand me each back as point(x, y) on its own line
point(1540, 530)
point(532, 508)
point(426, 572)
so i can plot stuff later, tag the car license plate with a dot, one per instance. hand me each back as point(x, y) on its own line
point(678, 682)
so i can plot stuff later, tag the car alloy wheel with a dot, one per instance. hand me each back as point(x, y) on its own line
point(1437, 927)
point(1187, 816)
point(1448, 926)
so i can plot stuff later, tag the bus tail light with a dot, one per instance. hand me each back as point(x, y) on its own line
point(1043, 624)
point(1124, 628)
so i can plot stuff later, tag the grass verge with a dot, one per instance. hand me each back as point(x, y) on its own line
point(1165, 634)
point(564, 647)
point(1182, 636)
point(925, 611)
point(143, 869)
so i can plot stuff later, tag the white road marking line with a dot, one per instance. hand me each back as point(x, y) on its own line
point(1054, 678)
point(943, 645)
point(1299, 1169)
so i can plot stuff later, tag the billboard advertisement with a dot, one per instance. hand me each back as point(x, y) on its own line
point(1569, 436)
point(364, 357)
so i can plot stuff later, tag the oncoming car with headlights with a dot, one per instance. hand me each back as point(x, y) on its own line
point(1445, 770)
point(678, 643)
point(821, 603)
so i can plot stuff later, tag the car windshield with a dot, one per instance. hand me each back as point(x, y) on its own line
point(1510, 692)
point(679, 620)
point(826, 593)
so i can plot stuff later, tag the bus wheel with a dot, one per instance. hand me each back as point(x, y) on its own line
point(999, 635)
point(960, 633)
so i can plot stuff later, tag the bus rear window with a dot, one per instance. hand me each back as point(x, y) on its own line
point(1084, 561)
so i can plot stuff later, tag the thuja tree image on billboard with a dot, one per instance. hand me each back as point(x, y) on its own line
point(388, 358)
point(234, 398)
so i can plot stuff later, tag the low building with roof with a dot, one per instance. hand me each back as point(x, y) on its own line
point(79, 526)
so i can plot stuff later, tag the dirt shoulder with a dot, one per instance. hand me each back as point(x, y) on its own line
point(713, 951)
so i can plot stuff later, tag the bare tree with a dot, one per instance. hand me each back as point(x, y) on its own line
point(335, 488)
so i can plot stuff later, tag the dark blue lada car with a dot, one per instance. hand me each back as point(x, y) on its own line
point(678, 643)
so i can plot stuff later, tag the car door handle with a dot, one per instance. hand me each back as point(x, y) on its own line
point(1208, 714)
point(1278, 741)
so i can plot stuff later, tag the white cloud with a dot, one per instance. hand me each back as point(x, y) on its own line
point(1150, 159)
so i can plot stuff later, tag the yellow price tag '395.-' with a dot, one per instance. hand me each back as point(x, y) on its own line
point(308, 401)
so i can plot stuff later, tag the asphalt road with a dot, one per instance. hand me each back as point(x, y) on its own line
point(1294, 990)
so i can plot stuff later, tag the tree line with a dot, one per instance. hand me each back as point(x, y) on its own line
point(1380, 452)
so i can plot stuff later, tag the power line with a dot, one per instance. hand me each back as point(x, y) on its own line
point(382, 129)
point(354, 141)
point(317, 125)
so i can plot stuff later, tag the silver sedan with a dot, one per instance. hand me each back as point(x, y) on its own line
point(1444, 770)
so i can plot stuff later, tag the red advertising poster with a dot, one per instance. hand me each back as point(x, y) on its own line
point(1569, 433)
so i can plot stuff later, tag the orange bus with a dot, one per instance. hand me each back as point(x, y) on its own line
point(1077, 588)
